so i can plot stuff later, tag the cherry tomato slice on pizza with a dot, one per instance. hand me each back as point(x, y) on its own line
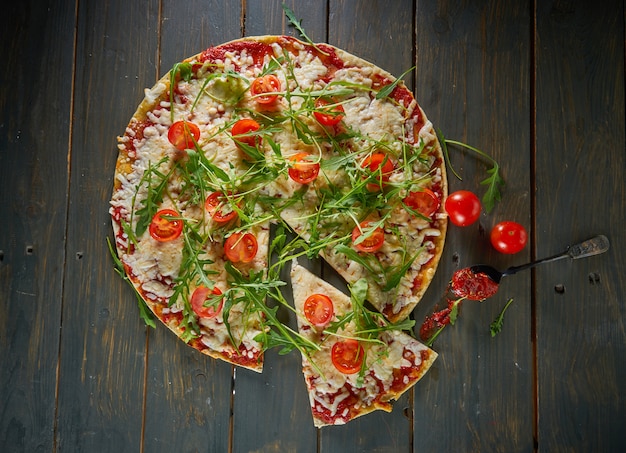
point(241, 247)
point(508, 237)
point(263, 87)
point(182, 135)
point(373, 241)
point(199, 297)
point(303, 171)
point(163, 229)
point(463, 207)
point(381, 165)
point(347, 356)
point(424, 201)
point(328, 113)
point(318, 309)
point(242, 130)
point(217, 205)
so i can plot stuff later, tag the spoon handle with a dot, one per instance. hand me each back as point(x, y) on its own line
point(590, 247)
point(594, 246)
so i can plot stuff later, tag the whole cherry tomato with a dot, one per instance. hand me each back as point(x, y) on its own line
point(303, 171)
point(508, 237)
point(347, 356)
point(463, 208)
point(318, 309)
point(182, 135)
point(263, 89)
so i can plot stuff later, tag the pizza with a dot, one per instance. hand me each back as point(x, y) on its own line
point(274, 147)
point(353, 372)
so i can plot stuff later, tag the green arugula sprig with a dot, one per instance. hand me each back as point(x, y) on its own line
point(144, 312)
point(493, 182)
point(297, 24)
point(496, 326)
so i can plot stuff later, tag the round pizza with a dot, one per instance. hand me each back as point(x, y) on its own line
point(261, 150)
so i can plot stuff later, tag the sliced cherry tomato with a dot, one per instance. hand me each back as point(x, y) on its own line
point(425, 201)
point(318, 309)
point(508, 237)
point(241, 247)
point(163, 229)
point(262, 88)
point(381, 165)
point(182, 135)
point(303, 171)
point(372, 242)
point(347, 356)
point(199, 297)
point(215, 204)
point(242, 130)
point(463, 208)
point(328, 113)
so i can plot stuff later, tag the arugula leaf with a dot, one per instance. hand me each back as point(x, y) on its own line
point(182, 70)
point(297, 24)
point(493, 182)
point(144, 312)
point(388, 89)
point(496, 326)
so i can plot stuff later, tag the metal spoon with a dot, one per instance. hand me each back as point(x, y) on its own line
point(590, 247)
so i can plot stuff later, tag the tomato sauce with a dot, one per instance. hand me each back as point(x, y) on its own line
point(413, 372)
point(257, 50)
point(473, 286)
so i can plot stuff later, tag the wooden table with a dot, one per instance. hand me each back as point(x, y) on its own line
point(537, 85)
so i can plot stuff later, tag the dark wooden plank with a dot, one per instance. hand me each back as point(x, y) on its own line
point(581, 191)
point(271, 411)
point(102, 360)
point(35, 106)
point(473, 80)
point(188, 400)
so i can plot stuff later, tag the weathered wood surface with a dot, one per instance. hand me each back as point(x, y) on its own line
point(537, 85)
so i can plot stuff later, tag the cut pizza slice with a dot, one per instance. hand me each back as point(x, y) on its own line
point(354, 372)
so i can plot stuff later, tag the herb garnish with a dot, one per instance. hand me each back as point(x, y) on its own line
point(493, 182)
point(496, 326)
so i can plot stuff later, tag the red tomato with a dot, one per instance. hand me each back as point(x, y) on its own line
point(328, 116)
point(424, 201)
point(241, 247)
point(463, 208)
point(182, 135)
point(163, 229)
point(508, 237)
point(303, 171)
point(347, 356)
point(373, 163)
point(371, 243)
point(214, 204)
point(318, 309)
point(242, 130)
point(263, 86)
point(199, 297)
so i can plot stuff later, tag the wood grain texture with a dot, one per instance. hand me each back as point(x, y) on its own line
point(103, 344)
point(33, 204)
point(581, 339)
point(473, 80)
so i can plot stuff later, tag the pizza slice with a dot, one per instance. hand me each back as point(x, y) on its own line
point(353, 373)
